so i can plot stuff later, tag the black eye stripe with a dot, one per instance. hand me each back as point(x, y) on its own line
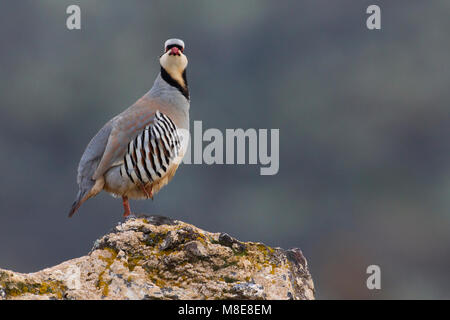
point(170, 46)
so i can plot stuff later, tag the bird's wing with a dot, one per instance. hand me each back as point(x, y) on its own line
point(108, 147)
point(125, 127)
point(88, 164)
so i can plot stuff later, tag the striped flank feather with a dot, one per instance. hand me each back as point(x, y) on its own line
point(151, 153)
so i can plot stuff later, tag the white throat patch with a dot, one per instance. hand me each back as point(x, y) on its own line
point(174, 65)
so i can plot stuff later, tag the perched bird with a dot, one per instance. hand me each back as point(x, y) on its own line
point(137, 152)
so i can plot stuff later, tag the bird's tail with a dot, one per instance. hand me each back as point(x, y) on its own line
point(78, 202)
point(87, 190)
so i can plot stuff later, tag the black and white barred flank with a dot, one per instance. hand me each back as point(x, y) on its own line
point(151, 153)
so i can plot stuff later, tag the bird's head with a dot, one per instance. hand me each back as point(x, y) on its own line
point(173, 60)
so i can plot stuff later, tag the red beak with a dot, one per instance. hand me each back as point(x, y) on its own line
point(175, 51)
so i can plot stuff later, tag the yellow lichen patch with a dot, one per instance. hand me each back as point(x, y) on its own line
point(113, 254)
point(273, 268)
point(43, 289)
point(161, 253)
point(181, 226)
point(262, 248)
point(157, 277)
point(158, 282)
point(133, 262)
point(15, 289)
point(101, 283)
point(201, 238)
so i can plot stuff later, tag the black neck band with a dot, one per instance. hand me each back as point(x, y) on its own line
point(174, 83)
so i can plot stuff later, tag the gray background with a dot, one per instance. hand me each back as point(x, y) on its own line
point(363, 115)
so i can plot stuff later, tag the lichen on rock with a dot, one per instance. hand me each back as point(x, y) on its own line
point(156, 257)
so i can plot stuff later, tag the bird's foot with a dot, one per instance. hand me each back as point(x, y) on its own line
point(147, 189)
point(130, 216)
point(127, 214)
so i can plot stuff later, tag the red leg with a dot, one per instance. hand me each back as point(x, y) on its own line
point(126, 206)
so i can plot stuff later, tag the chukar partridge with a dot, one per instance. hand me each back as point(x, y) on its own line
point(137, 152)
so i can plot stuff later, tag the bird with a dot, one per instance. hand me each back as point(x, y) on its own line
point(137, 152)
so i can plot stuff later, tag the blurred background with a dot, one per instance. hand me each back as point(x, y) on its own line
point(363, 116)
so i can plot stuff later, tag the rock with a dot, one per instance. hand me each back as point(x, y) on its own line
point(159, 258)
